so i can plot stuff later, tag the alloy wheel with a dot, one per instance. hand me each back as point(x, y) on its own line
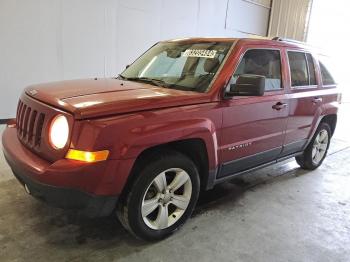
point(166, 198)
point(320, 146)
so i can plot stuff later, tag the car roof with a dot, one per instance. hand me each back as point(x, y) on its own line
point(264, 41)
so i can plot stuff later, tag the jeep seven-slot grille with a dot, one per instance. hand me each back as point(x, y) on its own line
point(29, 125)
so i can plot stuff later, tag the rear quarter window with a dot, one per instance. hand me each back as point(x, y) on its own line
point(327, 78)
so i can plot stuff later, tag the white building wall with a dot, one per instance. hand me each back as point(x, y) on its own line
point(330, 33)
point(43, 40)
point(290, 19)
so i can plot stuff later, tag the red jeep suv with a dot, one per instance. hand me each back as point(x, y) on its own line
point(185, 116)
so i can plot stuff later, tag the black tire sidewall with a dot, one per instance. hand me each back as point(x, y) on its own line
point(146, 176)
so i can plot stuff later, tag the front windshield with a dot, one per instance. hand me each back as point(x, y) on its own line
point(183, 66)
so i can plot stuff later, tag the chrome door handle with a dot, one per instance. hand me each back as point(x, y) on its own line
point(279, 106)
point(317, 100)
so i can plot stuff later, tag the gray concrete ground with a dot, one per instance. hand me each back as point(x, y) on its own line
point(279, 213)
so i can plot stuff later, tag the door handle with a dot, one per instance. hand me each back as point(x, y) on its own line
point(317, 100)
point(279, 106)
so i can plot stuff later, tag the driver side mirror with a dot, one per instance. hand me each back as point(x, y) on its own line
point(248, 85)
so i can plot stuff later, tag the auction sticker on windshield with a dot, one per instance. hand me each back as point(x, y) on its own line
point(200, 53)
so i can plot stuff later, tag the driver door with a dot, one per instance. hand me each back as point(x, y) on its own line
point(254, 127)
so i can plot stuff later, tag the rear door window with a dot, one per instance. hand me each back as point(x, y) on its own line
point(298, 69)
point(311, 67)
point(302, 69)
point(264, 62)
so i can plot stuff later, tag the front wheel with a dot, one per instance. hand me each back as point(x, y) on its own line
point(162, 198)
point(316, 151)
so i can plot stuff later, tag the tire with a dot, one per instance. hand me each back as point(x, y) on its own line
point(308, 159)
point(150, 189)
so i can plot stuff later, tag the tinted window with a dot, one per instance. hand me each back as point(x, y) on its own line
point(311, 66)
point(327, 78)
point(298, 69)
point(261, 62)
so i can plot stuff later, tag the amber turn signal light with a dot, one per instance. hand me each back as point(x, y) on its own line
point(89, 157)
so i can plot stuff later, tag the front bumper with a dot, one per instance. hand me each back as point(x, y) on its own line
point(65, 183)
point(67, 198)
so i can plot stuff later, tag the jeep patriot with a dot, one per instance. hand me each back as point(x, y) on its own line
point(186, 115)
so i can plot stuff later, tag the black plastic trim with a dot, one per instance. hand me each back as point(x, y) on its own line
point(223, 179)
point(4, 121)
point(248, 162)
point(211, 178)
point(87, 204)
point(294, 147)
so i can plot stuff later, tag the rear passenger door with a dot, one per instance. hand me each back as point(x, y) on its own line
point(304, 100)
point(254, 126)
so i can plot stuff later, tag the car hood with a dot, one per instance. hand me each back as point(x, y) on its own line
point(102, 97)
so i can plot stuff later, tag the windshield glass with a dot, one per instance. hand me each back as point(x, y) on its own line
point(183, 66)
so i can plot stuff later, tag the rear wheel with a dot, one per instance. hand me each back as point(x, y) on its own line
point(162, 198)
point(316, 151)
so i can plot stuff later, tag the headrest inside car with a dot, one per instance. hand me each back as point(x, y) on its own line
point(211, 65)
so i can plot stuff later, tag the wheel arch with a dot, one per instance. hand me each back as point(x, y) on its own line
point(326, 114)
point(331, 120)
point(193, 148)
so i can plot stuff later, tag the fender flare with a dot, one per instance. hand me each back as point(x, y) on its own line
point(324, 110)
point(203, 129)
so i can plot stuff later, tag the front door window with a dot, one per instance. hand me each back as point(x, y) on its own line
point(263, 62)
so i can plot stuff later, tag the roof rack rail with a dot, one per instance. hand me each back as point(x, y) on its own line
point(280, 39)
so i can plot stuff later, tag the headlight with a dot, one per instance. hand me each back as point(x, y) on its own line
point(59, 132)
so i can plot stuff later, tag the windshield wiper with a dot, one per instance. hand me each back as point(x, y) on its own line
point(153, 81)
point(120, 76)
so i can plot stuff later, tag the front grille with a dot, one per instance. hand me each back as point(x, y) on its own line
point(30, 124)
point(33, 122)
